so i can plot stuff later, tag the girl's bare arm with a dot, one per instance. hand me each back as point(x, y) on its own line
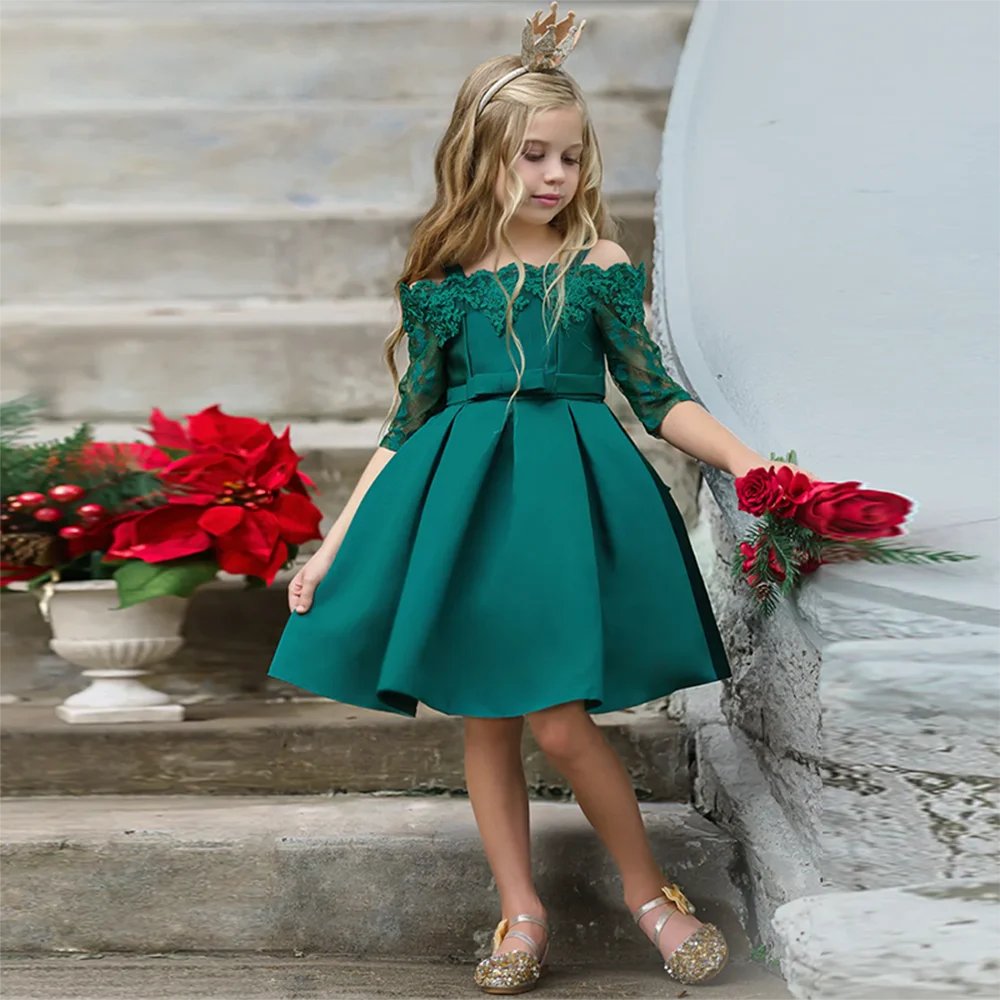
point(305, 582)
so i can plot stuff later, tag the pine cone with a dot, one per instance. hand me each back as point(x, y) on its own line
point(33, 548)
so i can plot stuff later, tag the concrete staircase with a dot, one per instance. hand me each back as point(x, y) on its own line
point(209, 202)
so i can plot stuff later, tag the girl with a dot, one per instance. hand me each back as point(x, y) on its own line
point(519, 559)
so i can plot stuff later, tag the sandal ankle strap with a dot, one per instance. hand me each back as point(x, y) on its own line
point(527, 918)
point(669, 893)
point(503, 930)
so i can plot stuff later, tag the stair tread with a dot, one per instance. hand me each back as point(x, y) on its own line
point(249, 716)
point(248, 312)
point(209, 211)
point(271, 745)
point(94, 818)
point(307, 435)
point(137, 977)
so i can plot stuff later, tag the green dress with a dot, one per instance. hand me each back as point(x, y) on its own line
point(508, 559)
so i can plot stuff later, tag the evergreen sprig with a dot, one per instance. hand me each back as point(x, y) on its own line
point(795, 545)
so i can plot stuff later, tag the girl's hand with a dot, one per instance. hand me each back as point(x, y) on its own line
point(305, 582)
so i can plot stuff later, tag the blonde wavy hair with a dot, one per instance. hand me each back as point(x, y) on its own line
point(467, 220)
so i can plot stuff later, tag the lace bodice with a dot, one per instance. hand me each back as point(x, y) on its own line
point(603, 317)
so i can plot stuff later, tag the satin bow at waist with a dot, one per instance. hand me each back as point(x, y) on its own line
point(535, 382)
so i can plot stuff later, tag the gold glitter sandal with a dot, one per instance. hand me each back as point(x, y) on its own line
point(514, 971)
point(700, 956)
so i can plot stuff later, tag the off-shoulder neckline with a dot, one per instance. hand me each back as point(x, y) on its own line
point(459, 277)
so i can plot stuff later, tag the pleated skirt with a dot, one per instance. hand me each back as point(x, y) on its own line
point(508, 561)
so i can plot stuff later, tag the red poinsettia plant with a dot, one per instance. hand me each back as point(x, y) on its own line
point(804, 523)
point(217, 493)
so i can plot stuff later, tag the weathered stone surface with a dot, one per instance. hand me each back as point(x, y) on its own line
point(163, 254)
point(380, 877)
point(909, 760)
point(293, 361)
point(252, 747)
point(211, 977)
point(299, 154)
point(928, 940)
point(81, 52)
point(730, 786)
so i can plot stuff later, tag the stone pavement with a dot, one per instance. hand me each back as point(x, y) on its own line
point(219, 977)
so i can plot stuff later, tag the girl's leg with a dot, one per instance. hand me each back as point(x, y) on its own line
point(494, 774)
point(575, 745)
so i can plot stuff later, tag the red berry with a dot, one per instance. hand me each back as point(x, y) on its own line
point(66, 493)
point(31, 499)
point(71, 531)
point(48, 514)
point(90, 511)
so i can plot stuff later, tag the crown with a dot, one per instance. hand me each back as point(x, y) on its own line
point(545, 44)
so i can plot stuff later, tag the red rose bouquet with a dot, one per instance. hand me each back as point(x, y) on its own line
point(804, 523)
point(222, 492)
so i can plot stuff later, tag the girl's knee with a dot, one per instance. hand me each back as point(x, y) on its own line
point(563, 731)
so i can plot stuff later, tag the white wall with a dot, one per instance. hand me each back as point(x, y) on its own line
point(829, 222)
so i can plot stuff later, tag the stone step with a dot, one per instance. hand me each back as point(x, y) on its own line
point(293, 360)
point(178, 152)
point(378, 877)
point(195, 977)
point(183, 356)
point(946, 947)
point(71, 54)
point(307, 747)
point(164, 252)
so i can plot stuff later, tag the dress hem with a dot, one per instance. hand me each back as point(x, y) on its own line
point(592, 705)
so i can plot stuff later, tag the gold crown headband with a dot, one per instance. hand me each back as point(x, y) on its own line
point(545, 44)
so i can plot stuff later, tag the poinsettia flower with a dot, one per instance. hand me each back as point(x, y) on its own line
point(163, 533)
point(209, 428)
point(167, 433)
point(212, 432)
point(247, 528)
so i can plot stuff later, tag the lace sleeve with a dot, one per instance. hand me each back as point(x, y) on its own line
point(634, 358)
point(422, 387)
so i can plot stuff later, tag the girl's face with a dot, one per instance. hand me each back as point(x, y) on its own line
point(548, 165)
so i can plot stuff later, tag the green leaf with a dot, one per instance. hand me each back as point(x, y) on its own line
point(139, 581)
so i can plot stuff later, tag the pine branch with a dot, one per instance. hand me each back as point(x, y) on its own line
point(877, 551)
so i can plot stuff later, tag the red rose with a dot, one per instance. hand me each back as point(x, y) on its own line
point(758, 491)
point(763, 491)
point(843, 510)
point(796, 488)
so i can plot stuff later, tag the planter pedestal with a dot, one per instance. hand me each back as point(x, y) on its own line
point(115, 646)
point(116, 694)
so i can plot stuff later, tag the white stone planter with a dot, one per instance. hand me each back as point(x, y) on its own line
point(115, 647)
